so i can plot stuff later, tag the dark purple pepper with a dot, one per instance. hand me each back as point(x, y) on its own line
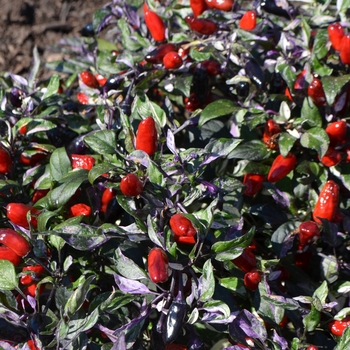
point(77, 146)
point(15, 96)
point(270, 7)
point(156, 56)
point(200, 84)
point(88, 30)
point(255, 73)
point(277, 84)
point(112, 83)
point(59, 136)
point(174, 320)
point(242, 89)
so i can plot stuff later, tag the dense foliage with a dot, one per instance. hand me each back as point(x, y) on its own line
point(183, 178)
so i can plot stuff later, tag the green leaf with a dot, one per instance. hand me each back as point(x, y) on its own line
point(77, 298)
point(102, 142)
point(333, 85)
point(344, 343)
point(66, 188)
point(8, 277)
point(152, 232)
point(59, 163)
point(312, 319)
point(103, 44)
point(317, 139)
point(319, 48)
point(286, 142)
point(207, 281)
point(321, 292)
point(155, 175)
point(216, 109)
point(98, 170)
point(98, 17)
point(222, 147)
point(329, 268)
point(32, 76)
point(53, 86)
point(127, 267)
point(281, 234)
point(251, 150)
point(310, 114)
point(234, 284)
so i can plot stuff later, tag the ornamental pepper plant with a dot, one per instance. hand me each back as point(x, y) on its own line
point(181, 181)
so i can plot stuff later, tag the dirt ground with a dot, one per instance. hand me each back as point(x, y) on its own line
point(26, 23)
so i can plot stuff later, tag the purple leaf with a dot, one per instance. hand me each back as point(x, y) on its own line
point(131, 286)
point(170, 142)
point(280, 340)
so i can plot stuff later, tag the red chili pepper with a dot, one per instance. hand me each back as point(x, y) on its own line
point(131, 185)
point(37, 270)
point(271, 131)
point(14, 241)
point(337, 327)
point(345, 49)
point(100, 79)
point(158, 265)
point(281, 167)
point(172, 60)
point(89, 79)
point(146, 137)
point(198, 7)
point(8, 254)
point(154, 23)
point(288, 94)
point(213, 67)
point(32, 290)
point(156, 56)
point(79, 209)
point(17, 213)
point(223, 5)
point(308, 232)
point(201, 25)
point(300, 81)
point(183, 229)
point(312, 347)
point(335, 33)
point(246, 261)
point(82, 98)
point(192, 103)
point(327, 204)
point(38, 194)
point(33, 159)
point(248, 21)
point(6, 163)
point(175, 347)
point(252, 279)
point(332, 157)
point(253, 184)
point(80, 161)
point(316, 92)
point(336, 132)
point(32, 345)
point(107, 195)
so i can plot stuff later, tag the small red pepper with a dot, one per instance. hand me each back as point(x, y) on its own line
point(38, 194)
point(156, 56)
point(183, 229)
point(107, 195)
point(335, 33)
point(79, 209)
point(14, 241)
point(336, 132)
point(327, 204)
point(27, 279)
point(80, 161)
point(146, 137)
point(316, 93)
point(83, 98)
point(248, 21)
point(253, 184)
point(212, 67)
point(332, 157)
point(201, 25)
point(172, 60)
point(337, 327)
point(246, 261)
point(252, 279)
point(131, 185)
point(281, 167)
point(154, 23)
point(100, 79)
point(308, 232)
point(8, 254)
point(223, 5)
point(158, 265)
point(89, 79)
point(198, 7)
point(17, 213)
point(271, 131)
point(345, 49)
point(6, 163)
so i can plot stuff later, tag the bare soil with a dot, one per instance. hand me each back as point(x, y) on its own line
point(41, 23)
